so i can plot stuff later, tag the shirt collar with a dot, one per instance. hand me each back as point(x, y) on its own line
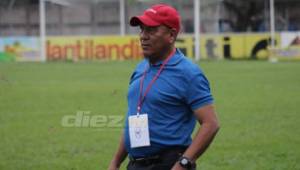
point(175, 59)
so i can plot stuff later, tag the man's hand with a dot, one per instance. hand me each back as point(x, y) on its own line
point(177, 167)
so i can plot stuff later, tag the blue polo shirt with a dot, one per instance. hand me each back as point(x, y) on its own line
point(180, 88)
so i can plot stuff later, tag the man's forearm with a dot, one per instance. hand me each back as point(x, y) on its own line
point(121, 153)
point(202, 140)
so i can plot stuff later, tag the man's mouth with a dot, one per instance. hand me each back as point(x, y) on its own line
point(145, 46)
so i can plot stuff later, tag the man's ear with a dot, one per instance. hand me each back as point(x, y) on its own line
point(173, 35)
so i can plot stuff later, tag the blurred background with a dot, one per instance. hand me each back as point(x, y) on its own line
point(65, 67)
point(254, 28)
point(102, 17)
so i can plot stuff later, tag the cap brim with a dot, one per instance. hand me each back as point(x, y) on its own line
point(143, 19)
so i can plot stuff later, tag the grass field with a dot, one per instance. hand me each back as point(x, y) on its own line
point(258, 104)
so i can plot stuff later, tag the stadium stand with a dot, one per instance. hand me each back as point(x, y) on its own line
point(22, 17)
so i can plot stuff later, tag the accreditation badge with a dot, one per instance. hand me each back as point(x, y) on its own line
point(139, 130)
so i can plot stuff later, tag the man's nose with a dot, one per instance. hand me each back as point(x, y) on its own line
point(144, 35)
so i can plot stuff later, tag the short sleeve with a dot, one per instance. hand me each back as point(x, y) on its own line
point(132, 77)
point(198, 92)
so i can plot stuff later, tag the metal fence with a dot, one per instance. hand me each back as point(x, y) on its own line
point(103, 17)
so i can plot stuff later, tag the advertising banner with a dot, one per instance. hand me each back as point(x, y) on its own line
point(104, 47)
point(236, 46)
point(19, 49)
point(92, 48)
point(212, 46)
point(290, 46)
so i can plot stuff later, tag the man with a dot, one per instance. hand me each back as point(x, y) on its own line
point(167, 94)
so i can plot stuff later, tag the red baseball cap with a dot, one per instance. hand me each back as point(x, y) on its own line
point(160, 14)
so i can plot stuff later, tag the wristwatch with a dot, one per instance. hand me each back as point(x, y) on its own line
point(185, 162)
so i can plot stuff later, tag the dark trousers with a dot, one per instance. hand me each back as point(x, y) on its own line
point(163, 161)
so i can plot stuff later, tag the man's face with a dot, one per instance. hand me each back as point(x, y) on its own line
point(155, 41)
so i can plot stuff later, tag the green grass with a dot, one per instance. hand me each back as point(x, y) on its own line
point(257, 103)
